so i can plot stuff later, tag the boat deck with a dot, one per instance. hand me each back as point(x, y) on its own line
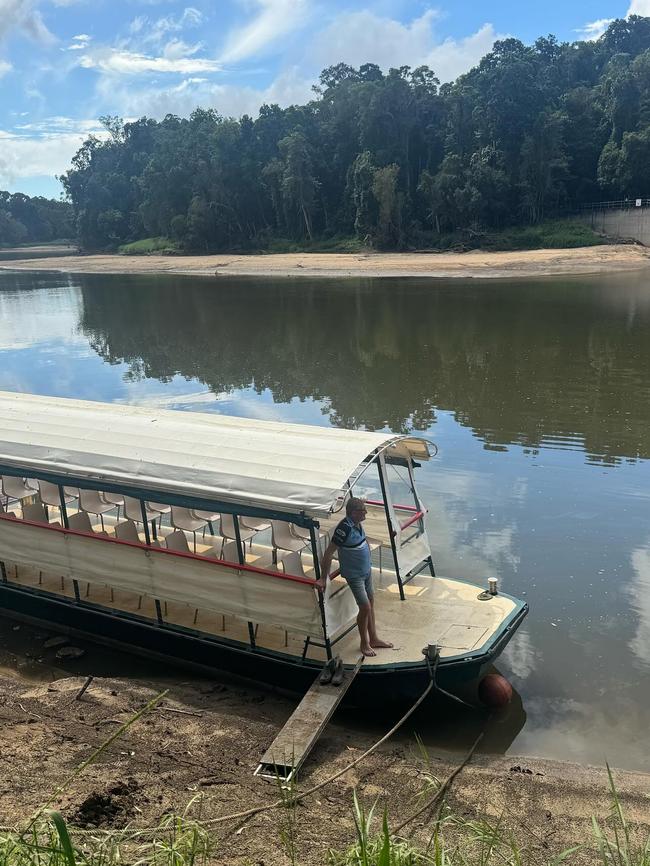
point(437, 610)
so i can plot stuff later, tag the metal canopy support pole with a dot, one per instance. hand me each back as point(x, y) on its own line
point(64, 510)
point(241, 555)
point(143, 509)
point(381, 467)
point(321, 595)
point(66, 524)
point(419, 507)
point(3, 570)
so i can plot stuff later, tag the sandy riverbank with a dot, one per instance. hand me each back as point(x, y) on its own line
point(206, 738)
point(584, 260)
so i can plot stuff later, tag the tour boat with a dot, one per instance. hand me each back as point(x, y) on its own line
point(197, 538)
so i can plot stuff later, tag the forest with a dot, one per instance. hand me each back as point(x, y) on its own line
point(392, 159)
point(25, 219)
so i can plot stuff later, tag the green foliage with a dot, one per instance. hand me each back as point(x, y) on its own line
point(550, 234)
point(390, 157)
point(33, 220)
point(148, 246)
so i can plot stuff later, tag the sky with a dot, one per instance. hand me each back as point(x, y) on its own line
point(65, 63)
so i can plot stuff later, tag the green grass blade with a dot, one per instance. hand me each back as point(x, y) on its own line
point(384, 852)
point(64, 837)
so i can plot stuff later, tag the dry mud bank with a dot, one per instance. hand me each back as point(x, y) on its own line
point(206, 737)
point(584, 260)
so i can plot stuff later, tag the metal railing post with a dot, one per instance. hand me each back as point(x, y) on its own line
point(321, 595)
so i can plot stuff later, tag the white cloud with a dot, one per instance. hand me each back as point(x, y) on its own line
point(363, 37)
point(116, 62)
point(79, 42)
point(29, 152)
point(275, 18)
point(594, 29)
point(153, 31)
point(5, 67)
point(177, 48)
point(58, 124)
point(638, 591)
point(639, 7)
point(22, 16)
point(289, 88)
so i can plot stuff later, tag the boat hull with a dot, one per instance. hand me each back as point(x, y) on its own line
point(375, 685)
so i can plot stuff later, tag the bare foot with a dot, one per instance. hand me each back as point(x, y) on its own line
point(368, 651)
point(381, 644)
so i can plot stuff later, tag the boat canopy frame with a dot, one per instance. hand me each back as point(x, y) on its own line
point(31, 461)
point(289, 471)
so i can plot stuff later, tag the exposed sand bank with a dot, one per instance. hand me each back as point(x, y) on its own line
point(530, 263)
point(206, 740)
point(208, 735)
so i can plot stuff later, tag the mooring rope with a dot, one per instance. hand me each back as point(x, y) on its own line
point(289, 799)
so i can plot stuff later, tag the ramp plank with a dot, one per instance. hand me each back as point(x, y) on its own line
point(288, 751)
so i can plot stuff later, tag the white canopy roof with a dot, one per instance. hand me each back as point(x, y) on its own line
point(260, 464)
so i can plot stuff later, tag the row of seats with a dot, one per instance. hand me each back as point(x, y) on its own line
point(286, 538)
point(177, 540)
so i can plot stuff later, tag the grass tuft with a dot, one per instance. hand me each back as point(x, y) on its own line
point(149, 246)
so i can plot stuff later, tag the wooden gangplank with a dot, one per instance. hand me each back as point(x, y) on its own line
point(288, 751)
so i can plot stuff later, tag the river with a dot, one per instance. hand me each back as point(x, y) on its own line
point(537, 394)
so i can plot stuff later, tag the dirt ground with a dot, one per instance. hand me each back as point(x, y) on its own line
point(205, 739)
point(584, 260)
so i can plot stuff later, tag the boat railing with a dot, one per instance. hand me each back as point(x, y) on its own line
point(237, 589)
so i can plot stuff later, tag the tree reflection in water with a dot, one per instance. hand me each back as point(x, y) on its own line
point(551, 362)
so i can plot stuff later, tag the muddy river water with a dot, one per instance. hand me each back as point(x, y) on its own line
point(537, 394)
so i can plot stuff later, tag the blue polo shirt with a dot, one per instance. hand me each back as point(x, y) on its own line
point(353, 549)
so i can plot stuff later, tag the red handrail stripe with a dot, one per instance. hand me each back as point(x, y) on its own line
point(412, 520)
point(140, 546)
point(396, 507)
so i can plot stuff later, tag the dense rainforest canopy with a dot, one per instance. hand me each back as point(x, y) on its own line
point(393, 158)
point(34, 220)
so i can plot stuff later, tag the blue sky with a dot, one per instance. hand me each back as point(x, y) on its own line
point(63, 63)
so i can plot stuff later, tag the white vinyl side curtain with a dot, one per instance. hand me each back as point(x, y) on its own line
point(265, 464)
point(208, 585)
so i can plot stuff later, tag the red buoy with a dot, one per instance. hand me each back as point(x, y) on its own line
point(494, 691)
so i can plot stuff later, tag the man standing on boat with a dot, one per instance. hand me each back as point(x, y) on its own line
point(350, 541)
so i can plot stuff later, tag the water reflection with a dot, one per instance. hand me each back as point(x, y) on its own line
point(553, 365)
point(537, 395)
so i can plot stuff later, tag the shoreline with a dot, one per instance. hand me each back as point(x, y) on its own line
point(608, 258)
point(206, 739)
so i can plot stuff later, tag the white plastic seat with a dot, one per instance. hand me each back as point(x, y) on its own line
point(227, 529)
point(37, 514)
point(254, 523)
point(229, 552)
point(127, 531)
point(133, 510)
point(80, 522)
point(160, 508)
point(292, 564)
point(177, 541)
point(283, 539)
point(186, 519)
point(92, 502)
point(49, 494)
point(17, 488)
point(322, 536)
point(114, 499)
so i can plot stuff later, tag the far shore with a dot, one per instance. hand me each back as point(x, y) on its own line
point(609, 258)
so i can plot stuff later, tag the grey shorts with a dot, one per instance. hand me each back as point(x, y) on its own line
point(361, 588)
